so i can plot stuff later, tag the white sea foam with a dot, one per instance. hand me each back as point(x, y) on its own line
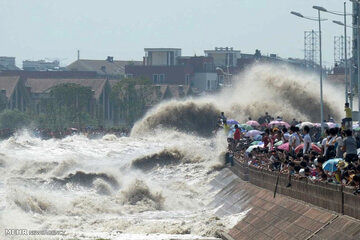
point(93, 188)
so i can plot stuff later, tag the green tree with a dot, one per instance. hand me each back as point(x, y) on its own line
point(68, 106)
point(13, 119)
point(3, 102)
point(129, 99)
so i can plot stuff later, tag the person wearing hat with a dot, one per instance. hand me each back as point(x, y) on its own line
point(341, 165)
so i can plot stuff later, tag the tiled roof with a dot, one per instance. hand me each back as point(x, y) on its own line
point(102, 67)
point(9, 83)
point(41, 85)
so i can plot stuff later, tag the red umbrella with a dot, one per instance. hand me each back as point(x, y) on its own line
point(253, 123)
point(313, 147)
point(284, 147)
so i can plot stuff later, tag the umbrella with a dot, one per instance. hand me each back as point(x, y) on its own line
point(313, 147)
point(330, 165)
point(246, 127)
point(255, 143)
point(318, 125)
point(253, 123)
point(231, 133)
point(253, 133)
point(284, 147)
point(279, 143)
point(232, 121)
point(257, 138)
point(279, 123)
point(309, 124)
point(249, 149)
point(332, 125)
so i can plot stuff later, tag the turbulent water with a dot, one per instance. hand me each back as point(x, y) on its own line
point(154, 184)
point(104, 188)
point(276, 89)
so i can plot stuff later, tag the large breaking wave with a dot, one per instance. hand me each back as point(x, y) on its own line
point(277, 89)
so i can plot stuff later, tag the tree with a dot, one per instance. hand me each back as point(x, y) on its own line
point(13, 119)
point(68, 105)
point(3, 102)
point(129, 99)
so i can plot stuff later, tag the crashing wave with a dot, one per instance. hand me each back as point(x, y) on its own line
point(187, 116)
point(139, 193)
point(277, 89)
point(86, 179)
point(163, 158)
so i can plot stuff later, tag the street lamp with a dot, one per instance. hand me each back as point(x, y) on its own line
point(344, 14)
point(358, 57)
point(318, 19)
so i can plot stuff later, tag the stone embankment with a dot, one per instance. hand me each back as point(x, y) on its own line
point(306, 210)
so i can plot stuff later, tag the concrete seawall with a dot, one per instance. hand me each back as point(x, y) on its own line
point(304, 211)
point(326, 195)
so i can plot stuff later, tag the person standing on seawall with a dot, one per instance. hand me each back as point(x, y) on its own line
point(348, 117)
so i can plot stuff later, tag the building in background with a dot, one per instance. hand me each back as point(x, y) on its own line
point(109, 68)
point(40, 90)
point(41, 65)
point(14, 93)
point(161, 56)
point(224, 56)
point(166, 66)
point(8, 63)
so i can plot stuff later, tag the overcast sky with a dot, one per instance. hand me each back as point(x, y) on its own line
point(39, 29)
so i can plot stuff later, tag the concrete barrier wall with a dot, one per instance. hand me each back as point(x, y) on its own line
point(325, 195)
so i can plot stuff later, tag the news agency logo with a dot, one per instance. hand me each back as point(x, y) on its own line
point(16, 232)
point(20, 232)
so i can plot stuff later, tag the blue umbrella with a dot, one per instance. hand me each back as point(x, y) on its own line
point(258, 138)
point(330, 165)
point(232, 121)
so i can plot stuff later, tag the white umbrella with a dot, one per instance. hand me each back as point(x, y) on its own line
point(309, 124)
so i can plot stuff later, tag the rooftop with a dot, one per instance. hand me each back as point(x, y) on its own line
point(162, 49)
point(9, 83)
point(102, 67)
point(43, 85)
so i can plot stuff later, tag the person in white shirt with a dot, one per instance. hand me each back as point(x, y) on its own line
point(294, 140)
point(307, 140)
point(285, 135)
point(323, 143)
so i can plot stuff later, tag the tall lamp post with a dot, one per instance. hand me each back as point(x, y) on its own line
point(318, 19)
point(345, 45)
point(358, 52)
point(358, 57)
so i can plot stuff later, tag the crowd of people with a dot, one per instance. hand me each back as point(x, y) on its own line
point(297, 150)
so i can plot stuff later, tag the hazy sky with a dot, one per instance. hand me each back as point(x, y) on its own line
point(38, 29)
